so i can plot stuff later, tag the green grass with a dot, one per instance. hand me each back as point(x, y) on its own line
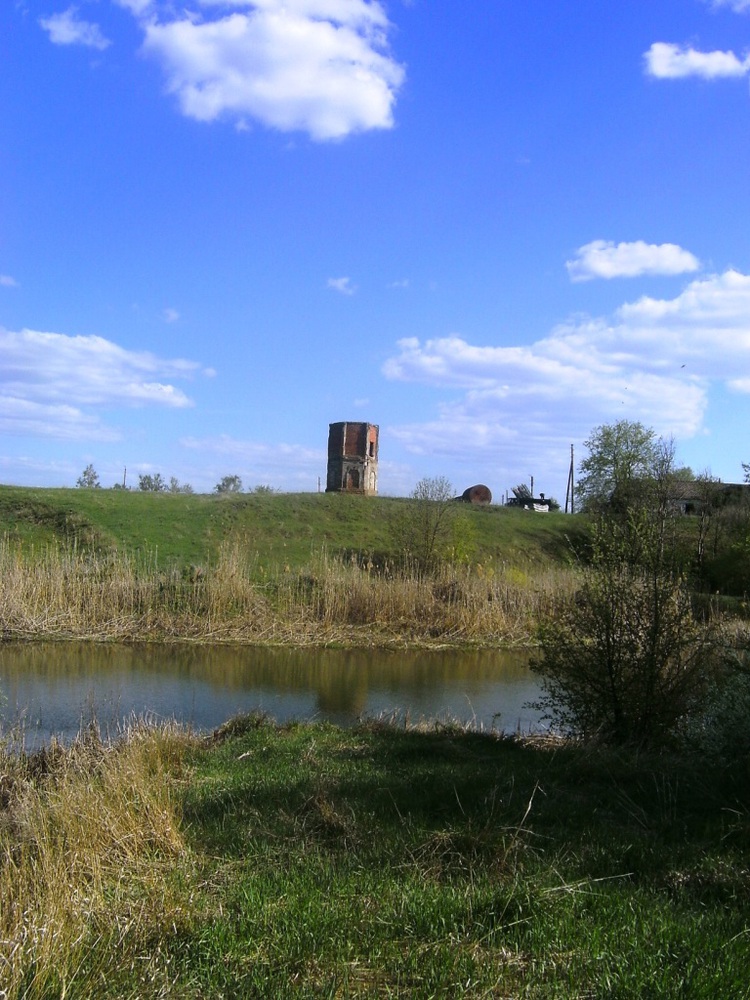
point(394, 862)
point(381, 861)
point(386, 862)
point(283, 529)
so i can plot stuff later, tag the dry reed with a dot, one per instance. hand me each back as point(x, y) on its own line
point(89, 840)
point(66, 593)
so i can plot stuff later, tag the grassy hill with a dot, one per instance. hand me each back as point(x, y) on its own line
point(284, 529)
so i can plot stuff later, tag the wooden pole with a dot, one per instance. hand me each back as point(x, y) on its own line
point(570, 492)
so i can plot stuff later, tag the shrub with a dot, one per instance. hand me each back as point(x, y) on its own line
point(718, 730)
point(626, 658)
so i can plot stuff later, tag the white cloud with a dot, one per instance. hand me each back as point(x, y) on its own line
point(604, 259)
point(738, 6)
point(137, 7)
point(49, 380)
point(66, 28)
point(667, 61)
point(319, 66)
point(653, 360)
point(342, 285)
point(23, 417)
point(7, 282)
point(170, 315)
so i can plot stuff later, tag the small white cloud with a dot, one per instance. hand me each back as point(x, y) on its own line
point(67, 28)
point(604, 259)
point(7, 282)
point(667, 61)
point(319, 66)
point(170, 315)
point(342, 285)
point(137, 7)
point(403, 283)
point(738, 6)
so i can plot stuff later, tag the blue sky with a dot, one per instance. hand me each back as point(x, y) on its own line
point(487, 227)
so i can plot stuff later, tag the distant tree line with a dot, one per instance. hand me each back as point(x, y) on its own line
point(156, 483)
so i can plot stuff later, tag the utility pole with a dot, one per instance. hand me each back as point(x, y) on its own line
point(570, 492)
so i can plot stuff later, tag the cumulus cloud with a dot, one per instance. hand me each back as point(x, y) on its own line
point(67, 28)
point(7, 282)
point(668, 61)
point(49, 382)
point(319, 66)
point(170, 315)
point(654, 360)
point(604, 259)
point(342, 285)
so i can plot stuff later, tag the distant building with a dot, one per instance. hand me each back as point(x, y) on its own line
point(352, 458)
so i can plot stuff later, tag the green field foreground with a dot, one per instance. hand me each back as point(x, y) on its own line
point(381, 861)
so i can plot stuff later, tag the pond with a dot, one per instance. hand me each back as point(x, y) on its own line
point(54, 688)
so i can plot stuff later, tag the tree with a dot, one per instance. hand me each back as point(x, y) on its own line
point(152, 484)
point(175, 486)
point(618, 454)
point(88, 479)
point(626, 658)
point(422, 530)
point(229, 484)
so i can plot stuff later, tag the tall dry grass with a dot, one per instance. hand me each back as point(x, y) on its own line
point(67, 593)
point(89, 845)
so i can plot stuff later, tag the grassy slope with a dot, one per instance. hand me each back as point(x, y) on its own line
point(281, 528)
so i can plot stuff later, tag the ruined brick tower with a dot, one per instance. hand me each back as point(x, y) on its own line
point(352, 458)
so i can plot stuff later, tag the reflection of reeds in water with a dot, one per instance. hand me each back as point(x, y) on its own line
point(65, 593)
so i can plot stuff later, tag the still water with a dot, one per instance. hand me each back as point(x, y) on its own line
point(52, 689)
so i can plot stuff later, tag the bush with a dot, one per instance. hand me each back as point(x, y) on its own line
point(422, 531)
point(626, 659)
point(718, 730)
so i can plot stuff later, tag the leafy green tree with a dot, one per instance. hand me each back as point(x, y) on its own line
point(152, 484)
point(229, 484)
point(89, 479)
point(618, 454)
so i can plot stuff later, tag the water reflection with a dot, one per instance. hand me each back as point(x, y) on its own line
point(53, 688)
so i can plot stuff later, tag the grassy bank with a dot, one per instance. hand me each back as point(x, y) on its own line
point(307, 861)
point(282, 529)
